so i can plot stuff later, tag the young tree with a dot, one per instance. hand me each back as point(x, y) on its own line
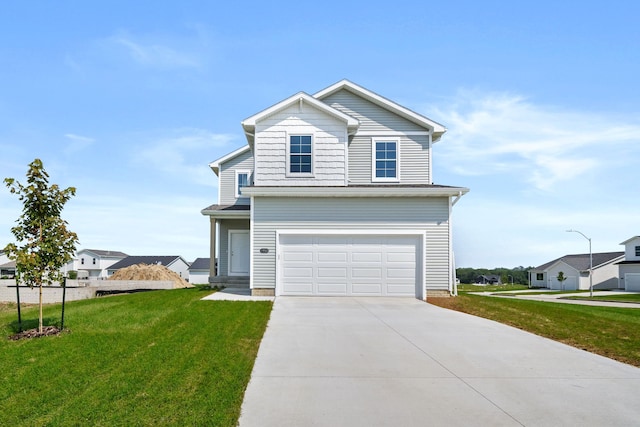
point(44, 244)
point(561, 278)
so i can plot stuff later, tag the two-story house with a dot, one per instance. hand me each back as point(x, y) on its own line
point(333, 195)
point(93, 263)
point(629, 268)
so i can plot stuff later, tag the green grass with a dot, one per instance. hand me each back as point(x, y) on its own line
point(489, 288)
point(153, 358)
point(609, 331)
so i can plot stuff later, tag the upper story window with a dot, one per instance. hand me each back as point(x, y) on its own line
point(300, 154)
point(243, 179)
point(385, 156)
point(94, 261)
point(637, 250)
point(81, 260)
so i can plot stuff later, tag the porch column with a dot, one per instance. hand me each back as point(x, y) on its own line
point(212, 250)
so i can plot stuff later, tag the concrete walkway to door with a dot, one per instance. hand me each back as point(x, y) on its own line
point(402, 362)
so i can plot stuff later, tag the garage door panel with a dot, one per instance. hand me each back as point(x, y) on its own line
point(349, 264)
point(337, 256)
point(298, 272)
point(367, 289)
point(366, 257)
point(324, 272)
point(298, 289)
point(401, 273)
point(399, 289)
point(332, 289)
point(297, 256)
point(366, 273)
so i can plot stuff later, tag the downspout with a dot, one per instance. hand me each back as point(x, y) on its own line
point(452, 274)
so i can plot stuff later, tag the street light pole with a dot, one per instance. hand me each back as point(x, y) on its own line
point(590, 261)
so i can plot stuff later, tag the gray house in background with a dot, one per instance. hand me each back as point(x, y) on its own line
point(334, 195)
point(199, 271)
point(576, 270)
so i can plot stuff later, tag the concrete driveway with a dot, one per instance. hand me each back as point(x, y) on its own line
point(402, 362)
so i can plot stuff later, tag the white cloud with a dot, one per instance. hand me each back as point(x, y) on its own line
point(167, 53)
point(77, 143)
point(179, 153)
point(500, 133)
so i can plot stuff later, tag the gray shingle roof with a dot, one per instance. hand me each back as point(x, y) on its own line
point(101, 252)
point(144, 259)
point(200, 264)
point(581, 261)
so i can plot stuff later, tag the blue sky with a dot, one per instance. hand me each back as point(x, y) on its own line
point(129, 103)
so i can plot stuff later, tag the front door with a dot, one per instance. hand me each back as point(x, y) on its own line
point(239, 253)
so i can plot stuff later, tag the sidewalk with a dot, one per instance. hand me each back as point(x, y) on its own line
point(556, 296)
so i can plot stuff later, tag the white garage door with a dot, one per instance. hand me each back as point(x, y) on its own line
point(632, 282)
point(349, 265)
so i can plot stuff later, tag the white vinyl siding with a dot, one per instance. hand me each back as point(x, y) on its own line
point(223, 250)
point(280, 213)
point(227, 181)
point(329, 147)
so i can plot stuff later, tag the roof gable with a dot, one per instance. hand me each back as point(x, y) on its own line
point(215, 165)
point(249, 124)
point(436, 128)
point(630, 240)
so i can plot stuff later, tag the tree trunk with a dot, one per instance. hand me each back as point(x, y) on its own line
point(40, 302)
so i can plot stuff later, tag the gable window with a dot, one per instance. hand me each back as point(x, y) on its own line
point(82, 261)
point(94, 261)
point(300, 154)
point(637, 250)
point(385, 156)
point(243, 179)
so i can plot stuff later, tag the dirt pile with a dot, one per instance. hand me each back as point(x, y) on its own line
point(150, 272)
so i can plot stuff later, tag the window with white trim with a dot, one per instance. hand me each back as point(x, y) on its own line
point(637, 250)
point(243, 179)
point(385, 158)
point(300, 154)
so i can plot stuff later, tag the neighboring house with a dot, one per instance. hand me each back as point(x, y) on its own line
point(491, 279)
point(7, 267)
point(94, 263)
point(174, 263)
point(576, 269)
point(334, 195)
point(199, 271)
point(629, 268)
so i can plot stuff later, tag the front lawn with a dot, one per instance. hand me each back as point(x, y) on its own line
point(609, 331)
point(153, 358)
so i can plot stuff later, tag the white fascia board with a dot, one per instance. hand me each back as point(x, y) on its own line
point(226, 214)
point(629, 240)
point(249, 124)
point(390, 191)
point(419, 119)
point(215, 165)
